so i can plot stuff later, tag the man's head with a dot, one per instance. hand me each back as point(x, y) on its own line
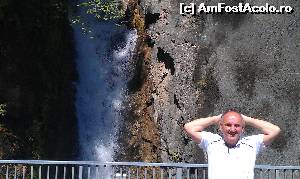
point(232, 126)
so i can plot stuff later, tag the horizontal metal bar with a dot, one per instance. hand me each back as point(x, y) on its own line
point(95, 163)
point(137, 164)
point(280, 167)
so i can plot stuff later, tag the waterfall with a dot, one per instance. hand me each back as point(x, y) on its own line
point(103, 58)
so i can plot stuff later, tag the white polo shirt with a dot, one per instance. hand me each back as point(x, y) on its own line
point(231, 163)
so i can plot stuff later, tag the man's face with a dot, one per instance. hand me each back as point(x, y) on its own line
point(232, 127)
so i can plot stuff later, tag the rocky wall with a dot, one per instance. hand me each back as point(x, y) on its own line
point(206, 63)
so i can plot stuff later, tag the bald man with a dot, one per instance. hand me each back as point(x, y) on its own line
point(230, 155)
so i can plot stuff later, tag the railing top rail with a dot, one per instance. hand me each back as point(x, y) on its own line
point(278, 167)
point(141, 164)
point(138, 164)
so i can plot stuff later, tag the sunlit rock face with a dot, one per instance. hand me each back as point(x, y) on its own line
point(207, 63)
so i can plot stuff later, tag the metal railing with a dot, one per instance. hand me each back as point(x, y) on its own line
point(43, 169)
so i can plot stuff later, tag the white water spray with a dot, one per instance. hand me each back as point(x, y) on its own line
point(103, 62)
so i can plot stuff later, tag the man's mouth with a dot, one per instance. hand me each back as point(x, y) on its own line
point(233, 134)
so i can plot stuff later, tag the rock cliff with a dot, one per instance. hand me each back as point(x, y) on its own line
point(203, 64)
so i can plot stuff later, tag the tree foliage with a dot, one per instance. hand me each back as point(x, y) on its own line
point(104, 10)
point(2, 109)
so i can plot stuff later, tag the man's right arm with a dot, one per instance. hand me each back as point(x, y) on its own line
point(194, 127)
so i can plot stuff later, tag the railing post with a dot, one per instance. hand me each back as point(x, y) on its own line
point(48, 172)
point(80, 172)
point(7, 172)
point(97, 172)
point(31, 172)
point(261, 173)
point(161, 173)
point(15, 176)
point(73, 172)
point(24, 172)
point(145, 173)
point(89, 172)
point(203, 173)
point(178, 173)
point(276, 174)
point(129, 173)
point(56, 172)
point(153, 173)
point(65, 172)
point(40, 172)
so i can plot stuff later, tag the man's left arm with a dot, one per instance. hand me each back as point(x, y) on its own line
point(269, 130)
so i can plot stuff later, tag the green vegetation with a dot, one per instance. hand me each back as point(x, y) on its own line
point(2, 109)
point(101, 10)
point(175, 156)
point(3, 5)
point(104, 10)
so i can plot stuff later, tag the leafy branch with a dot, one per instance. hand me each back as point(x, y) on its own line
point(104, 10)
point(2, 109)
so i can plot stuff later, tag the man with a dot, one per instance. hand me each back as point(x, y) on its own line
point(231, 155)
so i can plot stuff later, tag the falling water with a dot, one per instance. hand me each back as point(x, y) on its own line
point(103, 60)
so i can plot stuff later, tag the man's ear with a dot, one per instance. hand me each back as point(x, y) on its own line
point(243, 128)
point(220, 126)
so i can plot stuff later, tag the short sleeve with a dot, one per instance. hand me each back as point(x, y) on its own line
point(207, 138)
point(257, 141)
